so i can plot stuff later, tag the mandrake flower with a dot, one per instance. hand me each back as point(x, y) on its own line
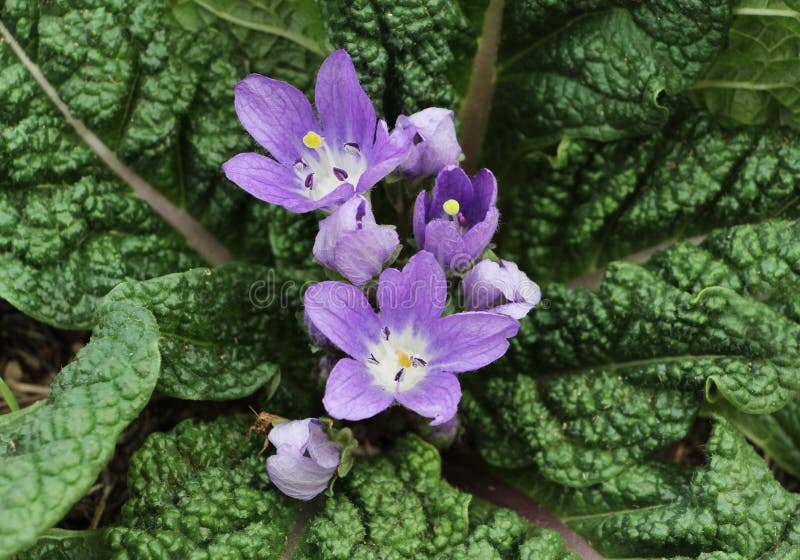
point(434, 143)
point(458, 223)
point(314, 166)
point(500, 288)
point(407, 352)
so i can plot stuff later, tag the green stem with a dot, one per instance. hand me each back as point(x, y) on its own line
point(8, 396)
point(769, 12)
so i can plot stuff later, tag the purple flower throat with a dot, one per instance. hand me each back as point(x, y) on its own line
point(323, 167)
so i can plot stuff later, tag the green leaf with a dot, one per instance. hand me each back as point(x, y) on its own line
point(223, 331)
point(200, 491)
point(598, 380)
point(597, 69)
point(160, 97)
point(731, 508)
point(58, 544)
point(600, 202)
point(52, 451)
point(755, 79)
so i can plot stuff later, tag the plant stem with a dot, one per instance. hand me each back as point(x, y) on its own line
point(8, 395)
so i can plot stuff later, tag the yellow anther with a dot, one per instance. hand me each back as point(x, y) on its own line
point(403, 359)
point(451, 207)
point(312, 140)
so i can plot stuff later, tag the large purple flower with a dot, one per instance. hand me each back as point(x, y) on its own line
point(305, 460)
point(316, 167)
point(408, 352)
point(352, 243)
point(434, 143)
point(501, 288)
point(461, 219)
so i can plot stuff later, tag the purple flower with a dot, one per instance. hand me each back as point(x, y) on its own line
point(305, 459)
point(315, 167)
point(408, 352)
point(434, 142)
point(458, 224)
point(352, 243)
point(489, 284)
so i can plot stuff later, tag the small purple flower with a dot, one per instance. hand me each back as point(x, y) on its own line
point(459, 223)
point(434, 143)
point(408, 352)
point(305, 459)
point(489, 284)
point(315, 168)
point(352, 243)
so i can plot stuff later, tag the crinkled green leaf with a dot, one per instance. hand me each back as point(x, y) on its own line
point(600, 202)
point(731, 508)
point(52, 452)
point(598, 380)
point(158, 95)
point(597, 69)
point(58, 544)
point(199, 491)
point(223, 331)
point(410, 54)
point(756, 79)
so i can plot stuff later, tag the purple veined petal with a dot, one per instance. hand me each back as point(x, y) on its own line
point(439, 144)
point(469, 341)
point(389, 151)
point(360, 254)
point(277, 115)
point(482, 286)
point(264, 178)
point(292, 435)
point(343, 314)
point(350, 393)
point(345, 218)
point(297, 476)
point(443, 239)
point(421, 211)
point(339, 195)
point(321, 448)
point(485, 188)
point(451, 183)
point(415, 296)
point(514, 310)
point(345, 109)
point(525, 290)
point(478, 237)
point(436, 396)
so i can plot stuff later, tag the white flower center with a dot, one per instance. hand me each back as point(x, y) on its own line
point(323, 168)
point(397, 361)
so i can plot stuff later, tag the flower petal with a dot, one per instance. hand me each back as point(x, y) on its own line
point(345, 218)
point(350, 393)
point(320, 447)
point(421, 210)
point(451, 182)
point(416, 296)
point(478, 237)
point(343, 314)
point(264, 178)
point(436, 396)
point(389, 151)
point(293, 435)
point(297, 476)
point(469, 341)
point(443, 239)
point(514, 310)
point(484, 186)
point(277, 115)
point(483, 285)
point(360, 254)
point(439, 146)
point(345, 109)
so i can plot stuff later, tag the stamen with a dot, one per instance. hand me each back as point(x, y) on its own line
point(417, 139)
point(372, 359)
point(312, 140)
point(352, 148)
point(399, 375)
point(462, 220)
point(299, 165)
point(340, 173)
point(403, 359)
point(417, 362)
point(451, 207)
point(310, 181)
point(386, 333)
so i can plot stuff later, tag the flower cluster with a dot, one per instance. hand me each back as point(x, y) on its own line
point(407, 337)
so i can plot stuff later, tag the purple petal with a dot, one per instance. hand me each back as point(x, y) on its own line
point(421, 211)
point(389, 151)
point(343, 314)
point(277, 115)
point(514, 310)
point(350, 393)
point(443, 239)
point(439, 147)
point(297, 476)
point(451, 182)
point(484, 185)
point(478, 237)
point(292, 435)
point(344, 218)
point(361, 254)
point(436, 396)
point(321, 448)
point(264, 178)
point(416, 296)
point(469, 341)
point(347, 113)
point(483, 285)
